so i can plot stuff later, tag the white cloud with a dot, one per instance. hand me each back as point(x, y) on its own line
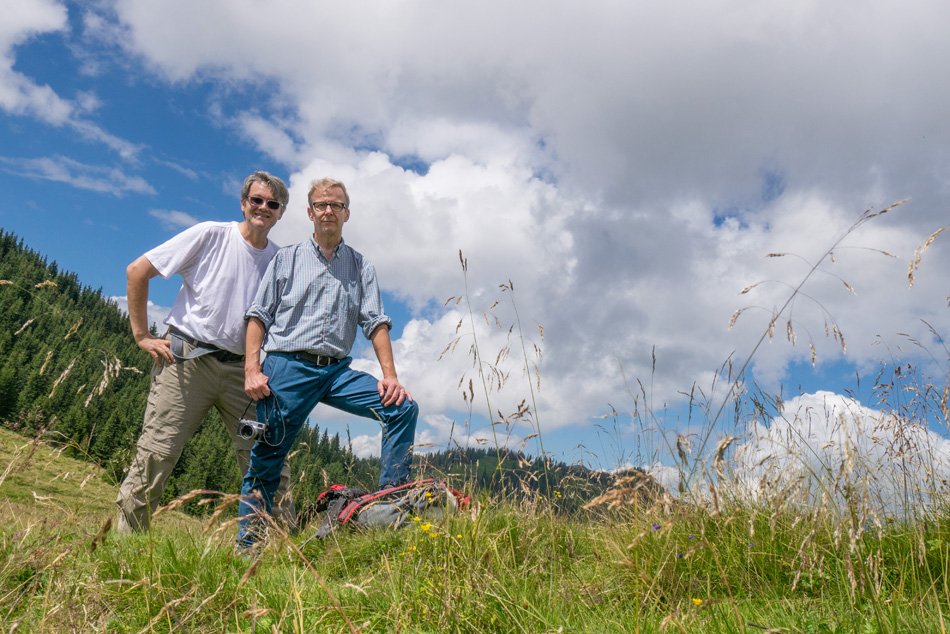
point(108, 180)
point(269, 137)
point(821, 450)
point(365, 446)
point(190, 174)
point(627, 166)
point(24, 19)
point(19, 95)
point(435, 432)
point(172, 219)
point(825, 443)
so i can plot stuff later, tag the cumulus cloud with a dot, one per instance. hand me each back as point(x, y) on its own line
point(107, 180)
point(172, 219)
point(18, 94)
point(628, 185)
point(435, 432)
point(822, 449)
point(825, 445)
point(366, 446)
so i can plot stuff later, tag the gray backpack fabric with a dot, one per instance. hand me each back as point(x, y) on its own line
point(389, 508)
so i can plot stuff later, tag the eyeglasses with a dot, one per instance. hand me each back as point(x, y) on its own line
point(257, 201)
point(335, 207)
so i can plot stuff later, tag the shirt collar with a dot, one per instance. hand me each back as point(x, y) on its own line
point(319, 250)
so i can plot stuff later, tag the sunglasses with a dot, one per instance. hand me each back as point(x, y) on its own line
point(257, 201)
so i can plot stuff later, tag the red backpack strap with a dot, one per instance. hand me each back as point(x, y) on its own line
point(347, 513)
point(333, 489)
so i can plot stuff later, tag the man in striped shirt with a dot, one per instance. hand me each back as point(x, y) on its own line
point(313, 297)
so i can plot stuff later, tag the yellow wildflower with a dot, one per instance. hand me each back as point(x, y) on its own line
point(698, 601)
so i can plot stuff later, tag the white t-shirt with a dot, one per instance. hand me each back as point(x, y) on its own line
point(221, 273)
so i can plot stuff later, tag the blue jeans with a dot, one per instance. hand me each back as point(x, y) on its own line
point(296, 388)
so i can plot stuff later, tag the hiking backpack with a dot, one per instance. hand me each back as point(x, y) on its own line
point(392, 507)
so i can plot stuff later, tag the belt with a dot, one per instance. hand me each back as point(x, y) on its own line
point(320, 360)
point(202, 349)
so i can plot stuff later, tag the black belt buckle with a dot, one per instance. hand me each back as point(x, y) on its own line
point(319, 360)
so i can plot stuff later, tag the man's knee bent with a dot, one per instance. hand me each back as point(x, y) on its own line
point(408, 411)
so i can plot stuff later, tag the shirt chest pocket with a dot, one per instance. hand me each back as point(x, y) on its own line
point(342, 296)
point(351, 292)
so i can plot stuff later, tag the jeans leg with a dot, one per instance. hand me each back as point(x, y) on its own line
point(358, 393)
point(233, 405)
point(399, 435)
point(263, 474)
point(295, 391)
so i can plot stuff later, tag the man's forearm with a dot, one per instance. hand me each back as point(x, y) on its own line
point(255, 383)
point(138, 275)
point(383, 347)
point(390, 390)
point(252, 344)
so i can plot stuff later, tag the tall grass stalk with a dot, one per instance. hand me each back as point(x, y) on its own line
point(510, 289)
point(479, 363)
point(769, 331)
point(499, 377)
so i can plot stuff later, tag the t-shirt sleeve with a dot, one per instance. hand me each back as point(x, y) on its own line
point(179, 253)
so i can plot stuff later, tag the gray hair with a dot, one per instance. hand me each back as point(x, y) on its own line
point(277, 187)
point(327, 183)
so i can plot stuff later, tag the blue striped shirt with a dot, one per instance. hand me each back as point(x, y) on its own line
point(313, 305)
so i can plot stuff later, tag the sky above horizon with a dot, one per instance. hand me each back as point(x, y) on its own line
point(624, 169)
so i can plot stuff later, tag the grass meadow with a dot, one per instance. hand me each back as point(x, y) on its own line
point(506, 565)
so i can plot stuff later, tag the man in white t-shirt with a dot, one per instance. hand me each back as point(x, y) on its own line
point(199, 363)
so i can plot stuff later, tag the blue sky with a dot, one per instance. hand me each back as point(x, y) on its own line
point(626, 167)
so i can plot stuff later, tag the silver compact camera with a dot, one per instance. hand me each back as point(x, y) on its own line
point(251, 429)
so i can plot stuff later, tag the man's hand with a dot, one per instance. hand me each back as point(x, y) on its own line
point(392, 393)
point(255, 383)
point(159, 348)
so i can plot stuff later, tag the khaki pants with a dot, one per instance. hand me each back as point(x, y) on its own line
point(180, 396)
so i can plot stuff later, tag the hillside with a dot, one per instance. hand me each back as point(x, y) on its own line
point(37, 481)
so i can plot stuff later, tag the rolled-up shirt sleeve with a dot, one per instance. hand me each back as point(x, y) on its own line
point(265, 302)
point(371, 306)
